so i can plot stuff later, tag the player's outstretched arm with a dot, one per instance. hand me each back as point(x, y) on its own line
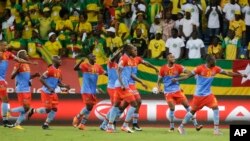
point(20, 60)
point(232, 74)
point(189, 75)
point(146, 63)
point(115, 55)
point(77, 66)
point(35, 75)
point(138, 80)
point(159, 83)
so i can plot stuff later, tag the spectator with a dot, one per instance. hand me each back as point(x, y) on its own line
point(113, 42)
point(138, 6)
point(92, 8)
point(73, 46)
point(18, 43)
point(55, 10)
point(215, 48)
point(238, 25)
point(213, 14)
point(178, 22)
point(167, 25)
point(33, 44)
point(243, 3)
point(231, 46)
point(156, 48)
point(122, 30)
point(154, 7)
point(156, 26)
point(140, 43)
point(45, 24)
point(8, 25)
point(27, 28)
point(195, 47)
point(15, 11)
point(175, 45)
point(228, 11)
point(53, 46)
point(175, 7)
point(187, 26)
point(83, 26)
point(142, 24)
point(223, 3)
point(246, 12)
point(195, 9)
point(100, 24)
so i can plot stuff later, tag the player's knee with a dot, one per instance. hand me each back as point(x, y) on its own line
point(54, 109)
point(47, 110)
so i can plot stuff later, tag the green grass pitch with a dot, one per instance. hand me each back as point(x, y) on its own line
point(67, 133)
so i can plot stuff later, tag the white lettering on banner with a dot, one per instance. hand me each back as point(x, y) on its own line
point(239, 113)
point(152, 108)
point(35, 90)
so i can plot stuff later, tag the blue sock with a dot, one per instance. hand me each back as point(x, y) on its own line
point(4, 107)
point(193, 118)
point(21, 118)
point(135, 118)
point(113, 114)
point(51, 116)
point(187, 118)
point(216, 118)
point(129, 115)
point(41, 110)
point(17, 110)
point(171, 118)
point(86, 113)
point(105, 120)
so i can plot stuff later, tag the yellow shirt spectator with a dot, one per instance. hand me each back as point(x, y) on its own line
point(242, 3)
point(231, 47)
point(55, 12)
point(215, 50)
point(156, 47)
point(114, 42)
point(175, 4)
point(84, 27)
point(53, 47)
point(238, 26)
point(123, 29)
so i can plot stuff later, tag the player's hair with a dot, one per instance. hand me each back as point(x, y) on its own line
point(20, 52)
point(168, 54)
point(209, 57)
point(127, 47)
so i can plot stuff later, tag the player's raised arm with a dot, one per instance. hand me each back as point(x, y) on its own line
point(115, 55)
point(146, 63)
point(138, 80)
point(15, 71)
point(159, 82)
point(77, 66)
point(232, 74)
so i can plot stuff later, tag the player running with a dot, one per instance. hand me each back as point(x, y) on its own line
point(51, 80)
point(90, 71)
point(21, 73)
point(203, 96)
point(172, 91)
point(5, 56)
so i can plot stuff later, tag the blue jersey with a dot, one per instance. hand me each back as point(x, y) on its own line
point(112, 74)
point(23, 78)
point(4, 64)
point(167, 74)
point(53, 76)
point(204, 79)
point(89, 77)
point(125, 63)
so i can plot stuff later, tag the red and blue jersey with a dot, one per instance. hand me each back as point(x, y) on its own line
point(112, 74)
point(22, 78)
point(52, 77)
point(135, 62)
point(89, 77)
point(167, 74)
point(125, 63)
point(4, 63)
point(204, 79)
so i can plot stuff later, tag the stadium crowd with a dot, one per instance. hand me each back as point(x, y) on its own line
point(71, 28)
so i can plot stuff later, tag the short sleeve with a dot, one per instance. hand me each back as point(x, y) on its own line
point(197, 70)
point(83, 67)
point(218, 69)
point(181, 69)
point(123, 61)
point(161, 72)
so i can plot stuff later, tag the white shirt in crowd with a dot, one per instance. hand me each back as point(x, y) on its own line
point(194, 47)
point(1, 36)
point(8, 23)
point(187, 26)
point(194, 12)
point(174, 45)
point(229, 9)
point(246, 11)
point(213, 18)
point(178, 23)
point(154, 28)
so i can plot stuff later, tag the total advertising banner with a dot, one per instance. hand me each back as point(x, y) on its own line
point(154, 109)
point(222, 85)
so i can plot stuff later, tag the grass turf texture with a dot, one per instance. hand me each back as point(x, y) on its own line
point(67, 133)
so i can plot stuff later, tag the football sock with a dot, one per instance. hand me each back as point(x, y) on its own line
point(4, 107)
point(135, 118)
point(129, 115)
point(51, 116)
point(171, 118)
point(113, 114)
point(216, 119)
point(86, 113)
point(41, 110)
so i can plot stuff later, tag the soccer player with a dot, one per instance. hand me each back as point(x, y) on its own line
point(136, 61)
point(21, 73)
point(51, 79)
point(172, 91)
point(5, 56)
point(203, 96)
point(90, 72)
point(123, 91)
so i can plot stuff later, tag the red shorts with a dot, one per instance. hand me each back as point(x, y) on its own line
point(111, 93)
point(135, 92)
point(89, 99)
point(49, 100)
point(3, 89)
point(24, 98)
point(199, 102)
point(126, 95)
point(177, 97)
